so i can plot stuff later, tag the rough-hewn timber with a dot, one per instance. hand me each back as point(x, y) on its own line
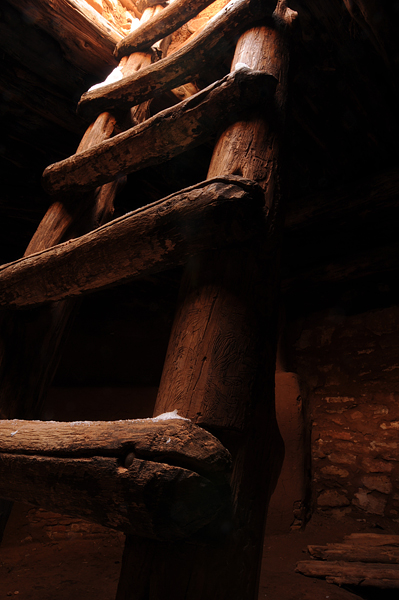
point(150, 239)
point(143, 498)
point(164, 135)
point(183, 65)
point(170, 440)
point(352, 573)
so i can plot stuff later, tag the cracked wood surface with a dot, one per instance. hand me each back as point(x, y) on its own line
point(175, 441)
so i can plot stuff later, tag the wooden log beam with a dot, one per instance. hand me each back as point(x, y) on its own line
point(161, 478)
point(354, 573)
point(169, 439)
point(183, 65)
point(150, 239)
point(147, 499)
point(173, 17)
point(164, 135)
point(86, 38)
point(356, 553)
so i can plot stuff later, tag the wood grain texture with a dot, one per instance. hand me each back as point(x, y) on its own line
point(154, 238)
point(356, 553)
point(173, 17)
point(167, 134)
point(183, 65)
point(173, 441)
point(148, 499)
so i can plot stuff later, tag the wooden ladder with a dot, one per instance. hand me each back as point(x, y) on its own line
point(219, 368)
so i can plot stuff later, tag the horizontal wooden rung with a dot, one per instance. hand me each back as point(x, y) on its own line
point(163, 136)
point(130, 475)
point(154, 238)
point(181, 66)
point(160, 26)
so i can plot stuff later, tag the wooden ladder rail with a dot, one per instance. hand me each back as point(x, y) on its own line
point(220, 364)
point(25, 373)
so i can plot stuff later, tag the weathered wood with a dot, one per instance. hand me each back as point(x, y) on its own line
point(147, 498)
point(356, 553)
point(167, 134)
point(129, 475)
point(173, 17)
point(220, 367)
point(168, 439)
point(183, 65)
point(363, 574)
point(86, 38)
point(150, 239)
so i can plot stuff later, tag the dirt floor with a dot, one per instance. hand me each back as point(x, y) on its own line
point(47, 557)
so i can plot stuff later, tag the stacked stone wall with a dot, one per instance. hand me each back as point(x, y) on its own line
point(348, 367)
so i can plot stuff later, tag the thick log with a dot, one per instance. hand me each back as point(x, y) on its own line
point(173, 17)
point(167, 439)
point(183, 65)
point(86, 38)
point(220, 365)
point(143, 498)
point(150, 239)
point(356, 553)
point(354, 573)
point(167, 134)
point(129, 475)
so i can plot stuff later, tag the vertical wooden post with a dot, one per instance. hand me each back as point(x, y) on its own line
point(220, 364)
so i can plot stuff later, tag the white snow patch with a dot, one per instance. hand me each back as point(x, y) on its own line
point(241, 65)
point(115, 75)
point(168, 415)
point(14, 432)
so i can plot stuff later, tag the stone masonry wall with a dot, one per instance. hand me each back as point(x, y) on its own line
point(348, 367)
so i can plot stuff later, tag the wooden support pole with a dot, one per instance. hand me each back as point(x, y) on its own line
point(220, 363)
point(181, 66)
point(135, 476)
point(159, 236)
